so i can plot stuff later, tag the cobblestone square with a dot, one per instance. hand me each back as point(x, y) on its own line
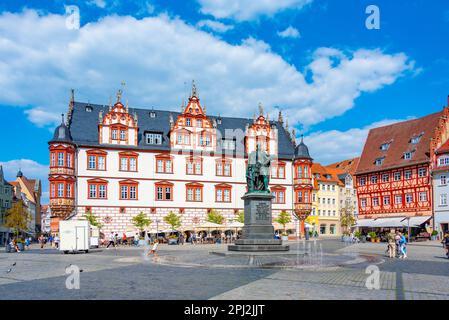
point(208, 272)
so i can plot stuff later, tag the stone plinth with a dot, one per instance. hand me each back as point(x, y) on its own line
point(258, 230)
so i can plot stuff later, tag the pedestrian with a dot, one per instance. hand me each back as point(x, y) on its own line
point(181, 238)
point(124, 239)
point(27, 243)
point(111, 240)
point(397, 239)
point(402, 246)
point(50, 239)
point(391, 248)
point(56, 241)
point(14, 245)
point(445, 243)
point(154, 248)
point(41, 241)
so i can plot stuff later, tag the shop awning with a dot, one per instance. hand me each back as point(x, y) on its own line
point(416, 221)
point(394, 222)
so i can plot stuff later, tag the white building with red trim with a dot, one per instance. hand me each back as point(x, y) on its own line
point(116, 161)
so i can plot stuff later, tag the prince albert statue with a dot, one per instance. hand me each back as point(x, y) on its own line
point(258, 171)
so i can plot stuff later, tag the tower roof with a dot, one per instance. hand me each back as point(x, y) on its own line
point(302, 151)
point(62, 133)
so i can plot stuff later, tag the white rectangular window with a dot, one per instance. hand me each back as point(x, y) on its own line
point(375, 201)
point(281, 197)
point(409, 198)
point(122, 135)
point(92, 191)
point(219, 169)
point(363, 203)
point(124, 164)
point(160, 165)
point(168, 193)
point(397, 176)
point(190, 194)
point(408, 174)
point(60, 159)
point(398, 199)
point(219, 195)
point(422, 172)
point(60, 190)
point(442, 180)
point(160, 193)
point(132, 164)
point(423, 196)
point(385, 177)
point(198, 194)
point(386, 200)
point(69, 160)
point(190, 168)
point(102, 191)
point(443, 199)
point(101, 163)
point(132, 192)
point(69, 190)
point(124, 192)
point(53, 159)
point(227, 170)
point(92, 162)
point(114, 134)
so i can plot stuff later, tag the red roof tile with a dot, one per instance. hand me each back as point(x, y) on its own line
point(399, 136)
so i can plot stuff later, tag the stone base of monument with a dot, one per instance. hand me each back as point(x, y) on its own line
point(258, 231)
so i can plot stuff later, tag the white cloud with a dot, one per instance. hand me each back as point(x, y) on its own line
point(243, 10)
point(40, 60)
point(30, 168)
point(214, 26)
point(98, 3)
point(331, 146)
point(290, 32)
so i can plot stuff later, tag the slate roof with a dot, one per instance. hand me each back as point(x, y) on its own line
point(399, 136)
point(84, 128)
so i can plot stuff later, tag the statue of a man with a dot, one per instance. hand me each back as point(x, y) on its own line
point(258, 171)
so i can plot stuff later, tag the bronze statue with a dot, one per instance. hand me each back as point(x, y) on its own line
point(258, 171)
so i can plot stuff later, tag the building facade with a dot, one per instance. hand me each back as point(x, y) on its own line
point(45, 219)
point(326, 194)
point(393, 178)
point(116, 161)
point(29, 191)
point(440, 177)
point(6, 198)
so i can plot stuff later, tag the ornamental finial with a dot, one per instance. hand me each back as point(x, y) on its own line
point(194, 90)
point(260, 109)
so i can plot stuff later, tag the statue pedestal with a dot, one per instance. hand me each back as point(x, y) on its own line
point(258, 232)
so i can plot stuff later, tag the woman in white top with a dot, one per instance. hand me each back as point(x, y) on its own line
point(154, 248)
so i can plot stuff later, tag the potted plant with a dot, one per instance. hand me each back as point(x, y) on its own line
point(434, 235)
point(373, 236)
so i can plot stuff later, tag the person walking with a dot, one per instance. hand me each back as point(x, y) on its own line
point(41, 241)
point(50, 239)
point(111, 240)
point(154, 248)
point(56, 241)
point(445, 243)
point(391, 248)
point(14, 245)
point(124, 239)
point(397, 239)
point(27, 243)
point(402, 246)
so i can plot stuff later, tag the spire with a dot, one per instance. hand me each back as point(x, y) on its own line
point(280, 118)
point(286, 124)
point(1, 174)
point(294, 136)
point(127, 108)
point(19, 173)
point(71, 106)
point(194, 90)
point(110, 103)
point(62, 118)
point(260, 109)
point(119, 94)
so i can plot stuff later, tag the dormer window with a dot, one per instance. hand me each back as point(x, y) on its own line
point(218, 120)
point(379, 161)
point(408, 155)
point(385, 146)
point(153, 138)
point(228, 144)
point(152, 114)
point(415, 139)
point(89, 109)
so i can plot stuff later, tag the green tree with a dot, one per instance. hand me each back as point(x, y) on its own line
point(283, 219)
point(17, 217)
point(215, 217)
point(173, 220)
point(241, 217)
point(92, 220)
point(141, 221)
point(347, 219)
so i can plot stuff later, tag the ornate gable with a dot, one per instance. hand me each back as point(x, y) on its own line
point(260, 132)
point(118, 126)
point(193, 130)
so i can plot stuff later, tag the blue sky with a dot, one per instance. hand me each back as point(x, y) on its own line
point(314, 60)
